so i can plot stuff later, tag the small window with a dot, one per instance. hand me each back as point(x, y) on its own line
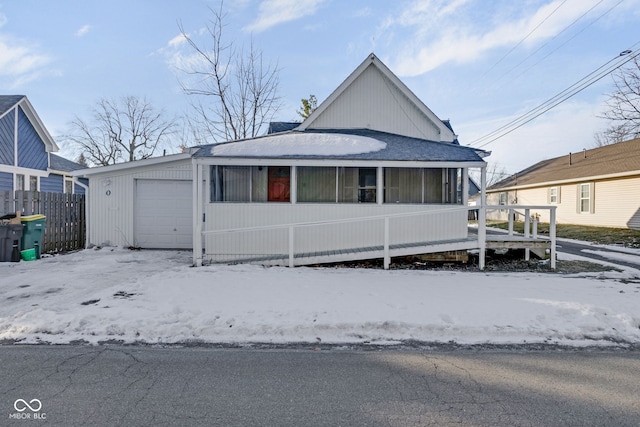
point(19, 182)
point(554, 195)
point(584, 198)
point(502, 201)
point(33, 183)
point(68, 185)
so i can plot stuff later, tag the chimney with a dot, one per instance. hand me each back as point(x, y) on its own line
point(569, 159)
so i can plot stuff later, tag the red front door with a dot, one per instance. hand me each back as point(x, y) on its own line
point(279, 184)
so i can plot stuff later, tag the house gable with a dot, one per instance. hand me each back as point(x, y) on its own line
point(7, 136)
point(372, 97)
point(32, 151)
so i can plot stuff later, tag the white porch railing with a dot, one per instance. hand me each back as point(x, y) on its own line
point(379, 236)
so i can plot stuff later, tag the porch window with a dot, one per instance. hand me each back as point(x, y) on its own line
point(416, 185)
point(357, 185)
point(317, 184)
point(249, 184)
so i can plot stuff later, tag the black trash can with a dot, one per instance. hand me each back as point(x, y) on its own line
point(10, 242)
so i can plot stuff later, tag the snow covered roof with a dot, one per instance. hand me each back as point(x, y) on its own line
point(344, 144)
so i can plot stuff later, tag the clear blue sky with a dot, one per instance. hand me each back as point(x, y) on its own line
point(479, 63)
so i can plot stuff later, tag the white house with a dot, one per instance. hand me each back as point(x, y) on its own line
point(372, 173)
point(596, 187)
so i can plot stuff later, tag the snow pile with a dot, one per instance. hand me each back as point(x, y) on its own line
point(156, 297)
point(300, 144)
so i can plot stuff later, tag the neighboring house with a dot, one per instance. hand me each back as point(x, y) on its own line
point(597, 187)
point(372, 173)
point(27, 161)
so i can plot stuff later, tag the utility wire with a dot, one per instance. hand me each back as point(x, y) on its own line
point(524, 38)
point(575, 21)
point(567, 41)
point(572, 90)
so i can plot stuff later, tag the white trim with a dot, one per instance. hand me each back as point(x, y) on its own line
point(15, 135)
point(153, 161)
point(261, 161)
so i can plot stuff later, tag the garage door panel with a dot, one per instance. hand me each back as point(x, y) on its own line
point(163, 214)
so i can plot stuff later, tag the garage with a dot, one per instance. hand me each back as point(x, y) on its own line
point(163, 214)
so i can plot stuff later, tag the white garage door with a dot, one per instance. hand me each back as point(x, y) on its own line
point(162, 214)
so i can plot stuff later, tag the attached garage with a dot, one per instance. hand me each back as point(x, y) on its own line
point(163, 214)
point(146, 203)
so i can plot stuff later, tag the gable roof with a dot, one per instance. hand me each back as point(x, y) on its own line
point(7, 102)
point(376, 145)
point(394, 86)
point(61, 164)
point(620, 158)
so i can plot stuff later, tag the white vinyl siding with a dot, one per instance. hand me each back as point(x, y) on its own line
point(389, 110)
point(112, 200)
point(614, 203)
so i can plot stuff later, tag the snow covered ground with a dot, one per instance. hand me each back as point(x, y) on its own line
point(157, 297)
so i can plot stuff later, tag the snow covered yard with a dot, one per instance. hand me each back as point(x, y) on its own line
point(157, 297)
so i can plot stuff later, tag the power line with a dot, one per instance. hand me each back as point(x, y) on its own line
point(572, 90)
point(524, 38)
point(567, 41)
point(575, 21)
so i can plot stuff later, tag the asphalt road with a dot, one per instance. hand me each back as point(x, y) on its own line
point(145, 386)
point(574, 248)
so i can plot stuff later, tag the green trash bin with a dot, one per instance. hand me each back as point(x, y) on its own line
point(33, 232)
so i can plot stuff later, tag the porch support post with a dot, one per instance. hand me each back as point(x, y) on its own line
point(527, 226)
point(293, 185)
point(464, 187)
point(380, 185)
point(198, 212)
point(552, 235)
point(482, 218)
point(291, 251)
point(387, 257)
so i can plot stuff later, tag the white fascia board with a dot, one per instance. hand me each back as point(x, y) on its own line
point(260, 161)
point(120, 167)
point(567, 181)
point(24, 171)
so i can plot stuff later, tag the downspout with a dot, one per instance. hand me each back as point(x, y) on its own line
point(86, 209)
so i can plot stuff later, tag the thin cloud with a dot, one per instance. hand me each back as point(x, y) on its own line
point(445, 31)
point(83, 30)
point(275, 12)
point(20, 62)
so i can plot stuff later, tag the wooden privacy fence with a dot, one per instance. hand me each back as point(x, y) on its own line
point(65, 227)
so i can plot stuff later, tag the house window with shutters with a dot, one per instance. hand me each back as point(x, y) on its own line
point(585, 198)
point(554, 195)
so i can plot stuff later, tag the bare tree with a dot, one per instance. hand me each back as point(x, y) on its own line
point(623, 106)
point(120, 131)
point(234, 92)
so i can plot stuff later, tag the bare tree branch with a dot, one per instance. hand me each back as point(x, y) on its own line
point(120, 131)
point(234, 93)
point(623, 107)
